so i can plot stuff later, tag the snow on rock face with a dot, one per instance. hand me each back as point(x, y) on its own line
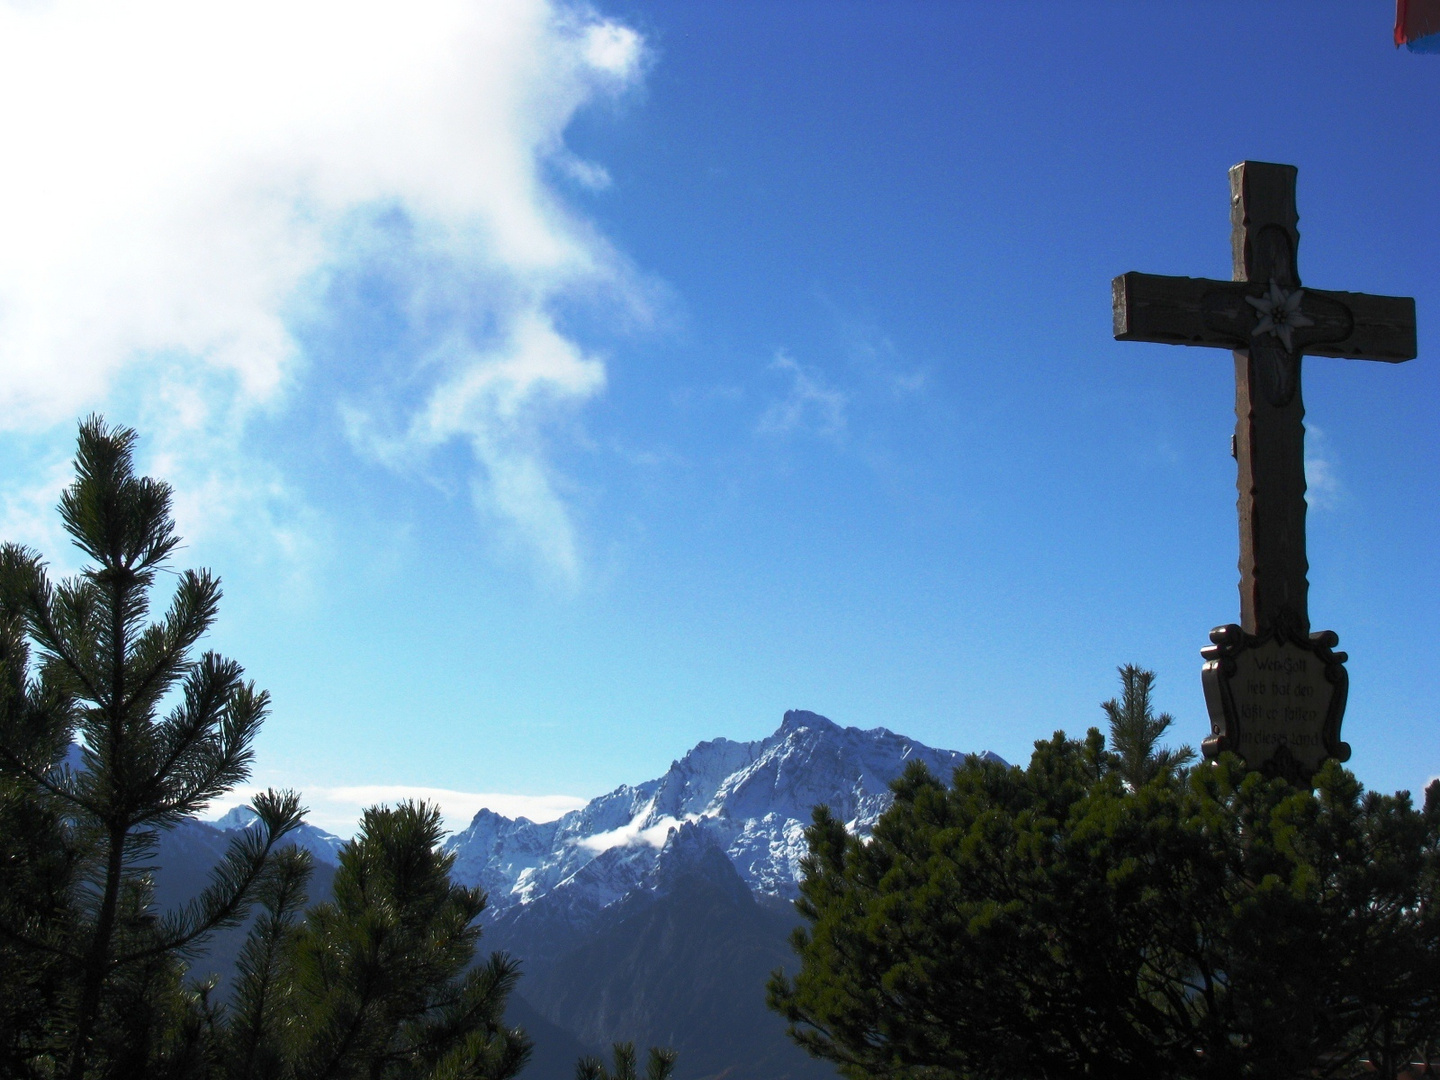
point(321, 844)
point(500, 854)
point(751, 801)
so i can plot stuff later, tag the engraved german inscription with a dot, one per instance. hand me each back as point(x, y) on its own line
point(1282, 698)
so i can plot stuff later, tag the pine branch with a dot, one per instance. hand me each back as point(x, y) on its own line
point(42, 780)
point(158, 658)
point(661, 1064)
point(260, 995)
point(39, 945)
point(226, 901)
point(54, 634)
point(206, 762)
point(117, 519)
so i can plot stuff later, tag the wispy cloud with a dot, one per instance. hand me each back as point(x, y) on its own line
point(338, 809)
point(183, 179)
point(498, 401)
point(871, 352)
point(1323, 488)
point(810, 402)
point(874, 355)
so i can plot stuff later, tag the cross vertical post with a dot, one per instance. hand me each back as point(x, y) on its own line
point(1269, 411)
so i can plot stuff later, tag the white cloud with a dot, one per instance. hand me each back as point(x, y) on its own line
point(182, 180)
point(810, 403)
point(613, 48)
point(338, 809)
point(1323, 488)
point(27, 512)
point(588, 174)
point(635, 833)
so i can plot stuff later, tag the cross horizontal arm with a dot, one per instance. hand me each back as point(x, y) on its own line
point(1383, 329)
point(1176, 311)
point(1202, 311)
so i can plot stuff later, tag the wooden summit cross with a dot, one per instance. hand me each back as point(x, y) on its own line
point(1275, 691)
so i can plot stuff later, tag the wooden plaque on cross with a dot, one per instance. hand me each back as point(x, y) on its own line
point(1275, 691)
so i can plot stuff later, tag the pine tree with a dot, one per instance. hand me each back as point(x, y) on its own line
point(377, 983)
point(162, 732)
point(37, 869)
point(1135, 731)
point(251, 1036)
point(1056, 921)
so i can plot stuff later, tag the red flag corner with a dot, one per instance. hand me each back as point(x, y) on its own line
point(1417, 25)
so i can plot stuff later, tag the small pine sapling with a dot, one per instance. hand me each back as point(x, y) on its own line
point(661, 1064)
point(1135, 731)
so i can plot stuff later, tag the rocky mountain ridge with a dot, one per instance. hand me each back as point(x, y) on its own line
point(752, 799)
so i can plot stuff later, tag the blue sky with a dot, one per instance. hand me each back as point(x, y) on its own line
point(556, 386)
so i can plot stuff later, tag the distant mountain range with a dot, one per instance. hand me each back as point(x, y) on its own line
point(654, 913)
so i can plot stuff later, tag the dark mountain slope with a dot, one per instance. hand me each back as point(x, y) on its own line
point(556, 1051)
point(184, 859)
point(682, 963)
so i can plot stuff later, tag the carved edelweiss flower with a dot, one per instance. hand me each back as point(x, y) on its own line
point(1279, 313)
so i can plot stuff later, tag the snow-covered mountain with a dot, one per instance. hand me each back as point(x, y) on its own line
point(321, 844)
point(752, 800)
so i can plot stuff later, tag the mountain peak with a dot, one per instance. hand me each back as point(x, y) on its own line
point(797, 719)
point(237, 817)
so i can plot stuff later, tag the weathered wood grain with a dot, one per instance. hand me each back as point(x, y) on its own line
point(1173, 311)
point(1206, 312)
point(1384, 328)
